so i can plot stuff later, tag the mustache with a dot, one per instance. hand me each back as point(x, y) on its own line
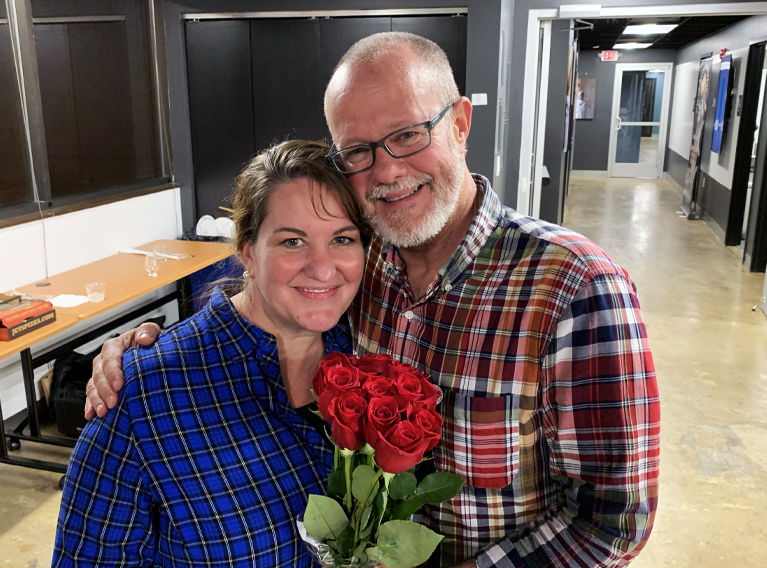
point(381, 191)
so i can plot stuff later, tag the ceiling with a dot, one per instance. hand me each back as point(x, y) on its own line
point(606, 32)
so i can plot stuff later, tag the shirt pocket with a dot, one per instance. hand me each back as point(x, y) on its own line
point(480, 440)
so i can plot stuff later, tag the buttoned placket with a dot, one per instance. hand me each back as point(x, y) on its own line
point(408, 308)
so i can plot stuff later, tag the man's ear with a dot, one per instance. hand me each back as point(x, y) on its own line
point(462, 119)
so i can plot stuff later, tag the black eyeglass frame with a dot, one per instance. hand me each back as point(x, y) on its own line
point(429, 125)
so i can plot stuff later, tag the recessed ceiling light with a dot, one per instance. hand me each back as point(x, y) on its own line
point(649, 29)
point(631, 45)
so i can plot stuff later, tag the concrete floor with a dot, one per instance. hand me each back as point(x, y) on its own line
point(710, 352)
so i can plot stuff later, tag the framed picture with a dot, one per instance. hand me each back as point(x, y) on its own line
point(584, 98)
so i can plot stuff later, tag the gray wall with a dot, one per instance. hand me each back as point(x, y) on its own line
point(521, 11)
point(484, 25)
point(592, 137)
point(714, 188)
point(553, 145)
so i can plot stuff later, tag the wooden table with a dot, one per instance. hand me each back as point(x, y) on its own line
point(126, 279)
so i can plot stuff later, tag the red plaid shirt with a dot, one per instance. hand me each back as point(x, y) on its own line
point(550, 402)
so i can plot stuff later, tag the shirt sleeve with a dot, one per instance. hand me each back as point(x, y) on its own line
point(601, 419)
point(106, 510)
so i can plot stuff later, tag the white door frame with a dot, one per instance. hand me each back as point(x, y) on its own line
point(665, 100)
point(528, 204)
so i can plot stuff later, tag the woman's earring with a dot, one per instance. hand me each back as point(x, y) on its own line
point(245, 274)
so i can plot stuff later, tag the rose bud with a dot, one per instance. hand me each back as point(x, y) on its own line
point(401, 448)
point(338, 380)
point(375, 387)
point(334, 359)
point(417, 390)
point(396, 369)
point(376, 363)
point(348, 414)
point(382, 414)
point(429, 421)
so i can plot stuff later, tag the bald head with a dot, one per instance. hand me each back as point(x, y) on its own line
point(392, 57)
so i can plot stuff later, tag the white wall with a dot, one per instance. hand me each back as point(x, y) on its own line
point(685, 87)
point(67, 241)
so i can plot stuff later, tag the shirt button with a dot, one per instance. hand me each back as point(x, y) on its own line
point(409, 315)
point(448, 287)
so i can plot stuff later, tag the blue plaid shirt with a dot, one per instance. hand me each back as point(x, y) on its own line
point(203, 462)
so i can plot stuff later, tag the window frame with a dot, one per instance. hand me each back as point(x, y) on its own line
point(21, 27)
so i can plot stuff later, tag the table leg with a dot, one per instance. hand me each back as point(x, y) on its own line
point(3, 442)
point(29, 387)
point(186, 301)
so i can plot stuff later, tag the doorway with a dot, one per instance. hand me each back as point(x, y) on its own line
point(640, 114)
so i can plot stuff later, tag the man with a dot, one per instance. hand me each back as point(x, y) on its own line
point(533, 333)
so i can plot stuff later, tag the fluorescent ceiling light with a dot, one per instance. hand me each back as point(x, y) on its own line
point(649, 29)
point(631, 45)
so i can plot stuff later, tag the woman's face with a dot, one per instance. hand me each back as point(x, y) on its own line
point(306, 265)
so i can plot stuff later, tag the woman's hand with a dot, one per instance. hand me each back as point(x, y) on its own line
point(107, 376)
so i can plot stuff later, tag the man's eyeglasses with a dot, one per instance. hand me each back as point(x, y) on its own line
point(399, 144)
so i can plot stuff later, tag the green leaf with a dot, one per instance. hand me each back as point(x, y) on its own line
point(337, 484)
point(360, 550)
point(439, 486)
point(324, 518)
point(403, 510)
point(379, 506)
point(366, 516)
point(403, 485)
point(361, 478)
point(345, 541)
point(403, 544)
point(372, 553)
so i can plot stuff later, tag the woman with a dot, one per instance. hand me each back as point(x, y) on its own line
point(211, 453)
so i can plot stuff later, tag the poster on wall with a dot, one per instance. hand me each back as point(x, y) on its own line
point(689, 196)
point(584, 99)
point(722, 100)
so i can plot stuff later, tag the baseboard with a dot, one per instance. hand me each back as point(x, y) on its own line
point(714, 226)
point(589, 173)
point(672, 182)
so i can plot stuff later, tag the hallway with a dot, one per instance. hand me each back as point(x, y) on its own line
point(710, 353)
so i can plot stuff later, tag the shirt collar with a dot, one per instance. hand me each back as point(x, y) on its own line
point(484, 223)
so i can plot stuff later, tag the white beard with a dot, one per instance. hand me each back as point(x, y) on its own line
point(398, 228)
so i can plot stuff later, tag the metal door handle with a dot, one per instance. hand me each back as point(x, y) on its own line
point(618, 123)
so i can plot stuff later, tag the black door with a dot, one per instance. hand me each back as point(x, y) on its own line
point(254, 82)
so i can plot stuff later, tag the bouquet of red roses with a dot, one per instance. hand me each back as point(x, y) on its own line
point(382, 420)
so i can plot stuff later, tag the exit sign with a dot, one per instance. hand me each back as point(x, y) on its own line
point(609, 55)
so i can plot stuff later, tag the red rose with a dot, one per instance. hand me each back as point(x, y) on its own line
point(382, 415)
point(375, 387)
point(429, 421)
point(347, 413)
point(337, 380)
point(416, 389)
point(401, 448)
point(334, 359)
point(375, 363)
point(396, 369)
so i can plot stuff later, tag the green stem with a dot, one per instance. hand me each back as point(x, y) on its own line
point(361, 510)
point(348, 471)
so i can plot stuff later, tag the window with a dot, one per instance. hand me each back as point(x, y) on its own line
point(93, 101)
point(15, 187)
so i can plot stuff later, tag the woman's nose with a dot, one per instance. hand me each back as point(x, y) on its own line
point(321, 266)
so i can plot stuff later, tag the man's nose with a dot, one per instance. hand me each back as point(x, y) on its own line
point(387, 169)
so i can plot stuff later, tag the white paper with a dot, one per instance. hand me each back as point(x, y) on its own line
point(478, 99)
point(68, 300)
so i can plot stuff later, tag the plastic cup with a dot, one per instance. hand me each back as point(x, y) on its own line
point(161, 252)
point(96, 291)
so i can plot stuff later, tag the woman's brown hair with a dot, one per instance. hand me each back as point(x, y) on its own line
point(283, 163)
